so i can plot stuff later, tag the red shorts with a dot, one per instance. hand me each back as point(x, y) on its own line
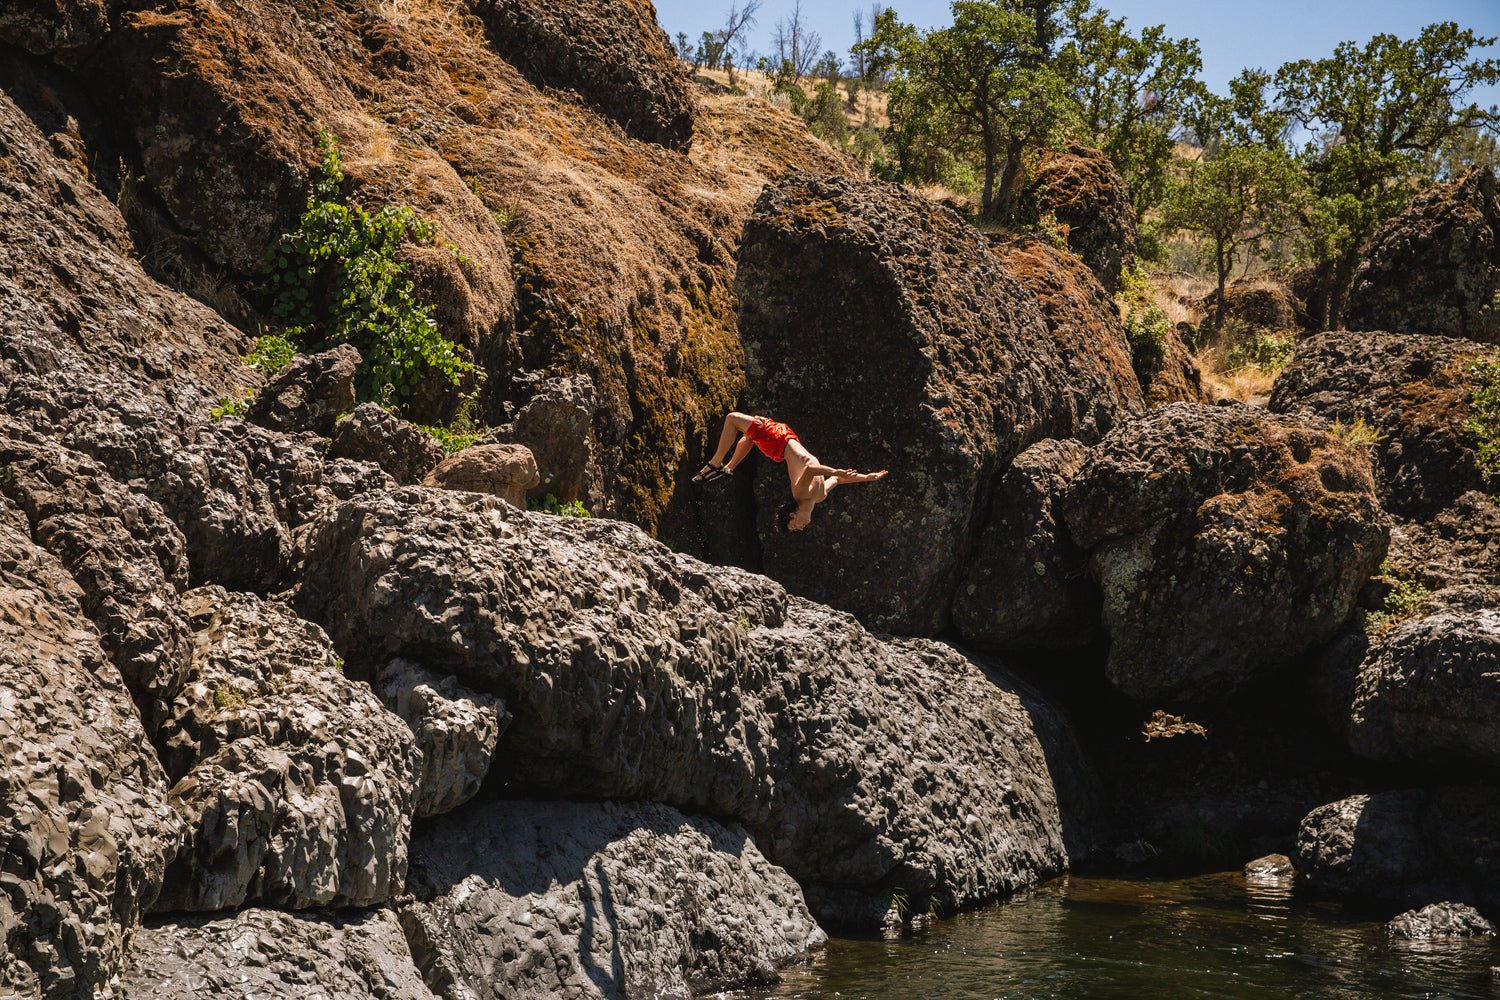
point(770, 437)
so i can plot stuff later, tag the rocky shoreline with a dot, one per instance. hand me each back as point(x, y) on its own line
point(279, 713)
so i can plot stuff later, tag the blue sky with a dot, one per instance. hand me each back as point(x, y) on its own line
point(1232, 36)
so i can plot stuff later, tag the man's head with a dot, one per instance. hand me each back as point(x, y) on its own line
point(789, 517)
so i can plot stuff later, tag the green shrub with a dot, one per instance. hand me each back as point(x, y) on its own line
point(1400, 604)
point(231, 406)
point(1358, 434)
point(551, 505)
point(272, 353)
point(337, 279)
point(1267, 350)
point(1146, 327)
point(1484, 418)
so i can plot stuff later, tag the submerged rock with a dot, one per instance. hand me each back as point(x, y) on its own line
point(636, 673)
point(1226, 542)
point(1440, 920)
point(608, 900)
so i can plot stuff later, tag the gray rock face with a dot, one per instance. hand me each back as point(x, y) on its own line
point(1226, 543)
point(456, 730)
point(1459, 545)
point(401, 448)
point(556, 424)
point(885, 332)
point(1405, 848)
point(310, 393)
point(573, 901)
point(129, 559)
point(294, 782)
point(258, 953)
point(82, 798)
point(1428, 690)
point(1435, 268)
point(634, 673)
point(1026, 584)
point(503, 470)
point(1440, 920)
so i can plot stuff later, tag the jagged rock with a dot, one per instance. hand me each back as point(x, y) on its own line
point(1411, 390)
point(258, 953)
point(294, 782)
point(1171, 375)
point(1427, 690)
point(614, 55)
point(1405, 848)
point(374, 434)
point(574, 900)
point(885, 332)
point(503, 470)
point(1457, 546)
point(1083, 191)
point(1440, 920)
point(1435, 268)
point(1026, 584)
point(556, 425)
point(636, 673)
point(63, 31)
point(83, 800)
point(127, 557)
point(1226, 542)
point(309, 394)
point(456, 730)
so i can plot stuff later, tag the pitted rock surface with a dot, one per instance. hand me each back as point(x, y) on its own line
point(1459, 545)
point(609, 900)
point(1083, 191)
point(614, 55)
point(1427, 690)
point(881, 328)
point(634, 673)
point(1027, 583)
point(1435, 267)
point(373, 434)
point(129, 559)
point(83, 800)
point(1406, 848)
point(1413, 391)
point(64, 31)
point(1260, 301)
point(1171, 376)
point(259, 953)
point(1440, 920)
point(456, 730)
point(295, 783)
point(1226, 542)
point(309, 394)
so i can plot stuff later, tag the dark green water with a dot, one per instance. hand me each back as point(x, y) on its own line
point(1218, 936)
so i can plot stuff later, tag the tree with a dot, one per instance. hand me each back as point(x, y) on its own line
point(1374, 113)
point(796, 44)
point(737, 23)
point(1134, 95)
point(980, 88)
point(1239, 198)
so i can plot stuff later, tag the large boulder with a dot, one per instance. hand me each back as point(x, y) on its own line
point(1427, 691)
point(581, 901)
point(1435, 268)
point(883, 330)
point(1026, 583)
point(1169, 373)
point(374, 434)
point(556, 426)
point(614, 55)
point(503, 470)
point(83, 800)
point(1439, 920)
point(1263, 301)
point(636, 673)
point(1406, 848)
point(1226, 541)
point(295, 784)
point(255, 952)
point(310, 393)
point(1459, 545)
point(1083, 191)
point(1414, 391)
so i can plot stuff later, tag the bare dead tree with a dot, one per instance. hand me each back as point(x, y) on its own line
point(737, 24)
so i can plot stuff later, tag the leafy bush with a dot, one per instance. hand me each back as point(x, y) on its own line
point(551, 505)
point(230, 406)
point(272, 353)
point(1400, 604)
point(1484, 419)
point(336, 279)
point(1146, 327)
point(1268, 350)
point(1358, 434)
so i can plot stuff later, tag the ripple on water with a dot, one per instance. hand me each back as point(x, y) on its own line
point(1220, 936)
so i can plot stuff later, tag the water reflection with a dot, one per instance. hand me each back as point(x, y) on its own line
point(1221, 936)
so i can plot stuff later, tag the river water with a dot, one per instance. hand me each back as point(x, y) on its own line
point(1220, 936)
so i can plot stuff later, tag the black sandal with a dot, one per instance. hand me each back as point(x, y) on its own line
point(711, 473)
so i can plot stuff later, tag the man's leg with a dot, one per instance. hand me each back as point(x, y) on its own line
point(734, 425)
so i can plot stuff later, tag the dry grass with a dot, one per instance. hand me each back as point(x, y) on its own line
point(868, 107)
